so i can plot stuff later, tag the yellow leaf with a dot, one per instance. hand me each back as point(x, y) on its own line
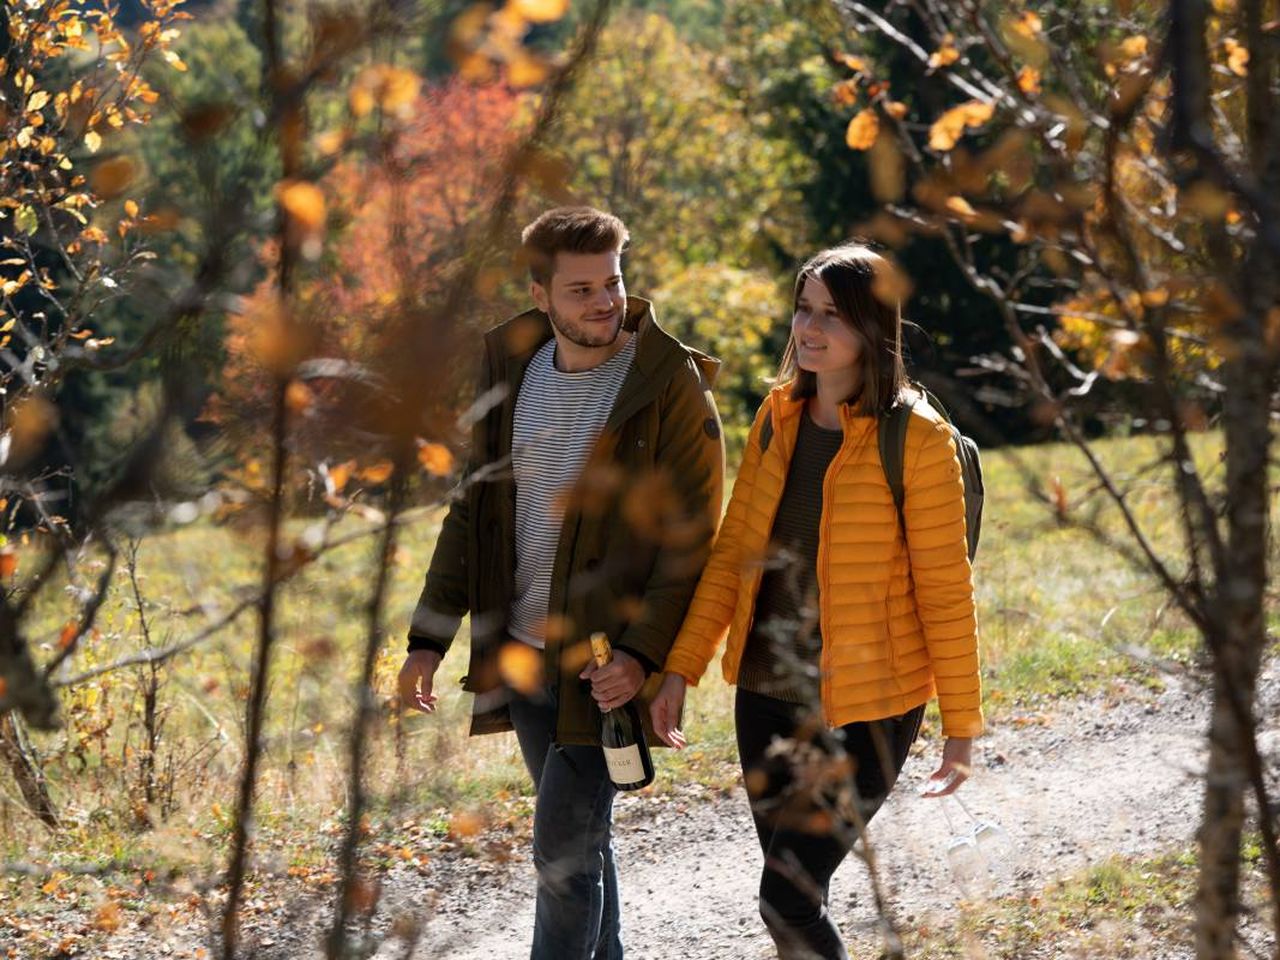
point(976, 113)
point(1028, 25)
point(38, 100)
point(896, 109)
point(527, 70)
point(945, 55)
point(93, 141)
point(863, 130)
point(960, 206)
point(131, 208)
point(303, 201)
point(1237, 57)
point(947, 130)
point(1134, 47)
point(435, 458)
point(540, 11)
point(856, 64)
point(1029, 81)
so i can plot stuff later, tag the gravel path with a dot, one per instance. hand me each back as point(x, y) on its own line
point(1097, 777)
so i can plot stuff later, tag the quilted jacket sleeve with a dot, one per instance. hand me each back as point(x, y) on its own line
point(935, 529)
point(711, 611)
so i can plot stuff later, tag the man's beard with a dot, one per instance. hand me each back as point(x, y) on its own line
point(594, 335)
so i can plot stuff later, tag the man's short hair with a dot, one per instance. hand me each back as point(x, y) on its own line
point(569, 230)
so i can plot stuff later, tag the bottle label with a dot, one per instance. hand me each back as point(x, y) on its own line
point(624, 764)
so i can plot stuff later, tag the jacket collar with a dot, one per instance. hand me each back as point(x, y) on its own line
point(787, 410)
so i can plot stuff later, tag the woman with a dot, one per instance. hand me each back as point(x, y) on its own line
point(841, 624)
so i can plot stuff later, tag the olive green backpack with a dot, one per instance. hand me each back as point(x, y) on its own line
point(893, 444)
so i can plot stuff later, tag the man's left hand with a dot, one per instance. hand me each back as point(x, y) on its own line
point(614, 685)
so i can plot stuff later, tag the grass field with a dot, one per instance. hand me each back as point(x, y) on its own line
point(1059, 614)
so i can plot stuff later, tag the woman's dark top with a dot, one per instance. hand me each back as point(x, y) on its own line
point(783, 650)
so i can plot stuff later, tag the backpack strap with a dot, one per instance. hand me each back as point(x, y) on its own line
point(766, 432)
point(893, 446)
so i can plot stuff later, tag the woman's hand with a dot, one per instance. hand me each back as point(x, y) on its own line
point(957, 762)
point(664, 710)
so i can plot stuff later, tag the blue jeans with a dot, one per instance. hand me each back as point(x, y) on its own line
point(577, 916)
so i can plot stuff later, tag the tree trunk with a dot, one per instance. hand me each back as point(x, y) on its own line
point(1239, 620)
point(1218, 897)
point(19, 758)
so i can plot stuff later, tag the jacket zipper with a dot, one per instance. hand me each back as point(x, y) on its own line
point(824, 564)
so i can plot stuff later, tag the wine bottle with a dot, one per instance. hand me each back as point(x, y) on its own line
point(625, 752)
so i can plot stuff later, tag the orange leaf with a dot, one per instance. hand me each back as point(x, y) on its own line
point(340, 474)
point(131, 208)
point(466, 824)
point(107, 917)
point(298, 397)
point(896, 109)
point(112, 176)
point(960, 206)
point(521, 667)
point(303, 201)
point(435, 458)
point(863, 130)
point(856, 64)
point(1059, 498)
point(378, 472)
point(1237, 57)
point(1029, 81)
point(70, 630)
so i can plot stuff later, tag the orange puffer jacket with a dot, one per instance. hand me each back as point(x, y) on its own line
point(896, 614)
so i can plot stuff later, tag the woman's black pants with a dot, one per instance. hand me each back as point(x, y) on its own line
point(809, 788)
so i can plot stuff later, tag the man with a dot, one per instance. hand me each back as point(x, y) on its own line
point(593, 491)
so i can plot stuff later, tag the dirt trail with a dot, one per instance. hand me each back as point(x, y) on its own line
point(1096, 777)
point(1085, 780)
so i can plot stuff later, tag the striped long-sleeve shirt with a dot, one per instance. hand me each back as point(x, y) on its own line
point(558, 417)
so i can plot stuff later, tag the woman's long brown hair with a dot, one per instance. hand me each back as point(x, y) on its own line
point(865, 288)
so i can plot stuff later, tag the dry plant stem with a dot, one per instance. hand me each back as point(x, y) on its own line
point(90, 613)
point(462, 287)
point(25, 768)
point(1230, 625)
point(273, 77)
point(254, 716)
point(348, 866)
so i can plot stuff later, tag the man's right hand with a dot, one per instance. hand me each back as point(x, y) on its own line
point(664, 710)
point(415, 680)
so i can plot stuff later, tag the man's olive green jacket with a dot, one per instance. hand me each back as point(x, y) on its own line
point(637, 529)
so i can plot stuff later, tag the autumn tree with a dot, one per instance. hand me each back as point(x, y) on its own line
point(1132, 154)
